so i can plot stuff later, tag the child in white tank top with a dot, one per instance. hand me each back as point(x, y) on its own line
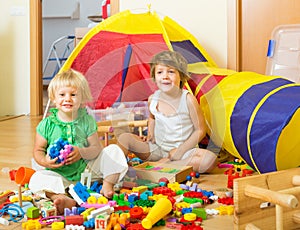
point(176, 123)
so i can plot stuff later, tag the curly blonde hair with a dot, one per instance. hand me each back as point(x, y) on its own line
point(70, 78)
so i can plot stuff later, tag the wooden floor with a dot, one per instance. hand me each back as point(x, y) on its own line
point(16, 145)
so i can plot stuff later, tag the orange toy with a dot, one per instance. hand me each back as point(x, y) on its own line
point(23, 175)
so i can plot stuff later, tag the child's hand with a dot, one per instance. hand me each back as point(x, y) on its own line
point(173, 156)
point(51, 163)
point(73, 157)
point(150, 138)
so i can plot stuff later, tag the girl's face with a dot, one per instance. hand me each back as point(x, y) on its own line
point(67, 100)
point(166, 77)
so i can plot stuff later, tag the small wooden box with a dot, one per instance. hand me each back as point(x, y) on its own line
point(153, 171)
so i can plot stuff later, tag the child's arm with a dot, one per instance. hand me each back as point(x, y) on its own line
point(39, 153)
point(88, 153)
point(199, 128)
point(151, 124)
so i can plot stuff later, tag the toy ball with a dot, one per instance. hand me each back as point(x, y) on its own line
point(193, 174)
point(164, 180)
point(188, 177)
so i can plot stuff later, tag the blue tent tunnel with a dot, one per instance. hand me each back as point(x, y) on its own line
point(256, 118)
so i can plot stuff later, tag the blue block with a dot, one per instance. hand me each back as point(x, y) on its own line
point(81, 191)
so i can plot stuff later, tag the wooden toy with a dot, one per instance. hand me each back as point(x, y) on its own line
point(268, 201)
point(101, 221)
point(48, 209)
point(153, 171)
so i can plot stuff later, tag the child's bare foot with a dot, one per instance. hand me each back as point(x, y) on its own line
point(61, 202)
point(108, 185)
point(107, 189)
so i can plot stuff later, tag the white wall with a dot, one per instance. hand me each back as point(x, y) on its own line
point(14, 57)
point(56, 23)
point(205, 19)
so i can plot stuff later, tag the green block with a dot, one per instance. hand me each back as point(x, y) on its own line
point(33, 212)
point(200, 212)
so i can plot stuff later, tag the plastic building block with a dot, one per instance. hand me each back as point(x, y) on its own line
point(181, 205)
point(33, 212)
point(225, 210)
point(133, 197)
point(144, 203)
point(57, 225)
point(60, 149)
point(81, 191)
point(117, 221)
point(174, 226)
point(74, 227)
point(75, 196)
point(136, 212)
point(186, 210)
point(86, 178)
point(102, 200)
point(191, 227)
point(87, 212)
point(139, 189)
point(135, 227)
point(164, 191)
point(96, 187)
point(100, 211)
point(89, 223)
point(74, 219)
point(194, 187)
point(190, 216)
point(92, 200)
point(68, 212)
point(50, 219)
point(226, 200)
point(32, 224)
point(110, 203)
point(200, 212)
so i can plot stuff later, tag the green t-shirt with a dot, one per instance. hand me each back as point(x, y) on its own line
point(75, 132)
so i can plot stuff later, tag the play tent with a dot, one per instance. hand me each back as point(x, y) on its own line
point(114, 55)
point(252, 116)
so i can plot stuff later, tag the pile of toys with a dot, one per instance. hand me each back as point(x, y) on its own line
point(173, 205)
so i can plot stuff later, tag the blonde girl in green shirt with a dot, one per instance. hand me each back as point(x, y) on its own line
point(69, 120)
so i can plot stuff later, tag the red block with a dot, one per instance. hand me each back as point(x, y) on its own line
point(75, 220)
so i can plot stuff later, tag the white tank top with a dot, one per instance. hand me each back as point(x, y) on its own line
point(172, 130)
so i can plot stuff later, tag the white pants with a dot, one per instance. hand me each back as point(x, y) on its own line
point(157, 153)
point(110, 161)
